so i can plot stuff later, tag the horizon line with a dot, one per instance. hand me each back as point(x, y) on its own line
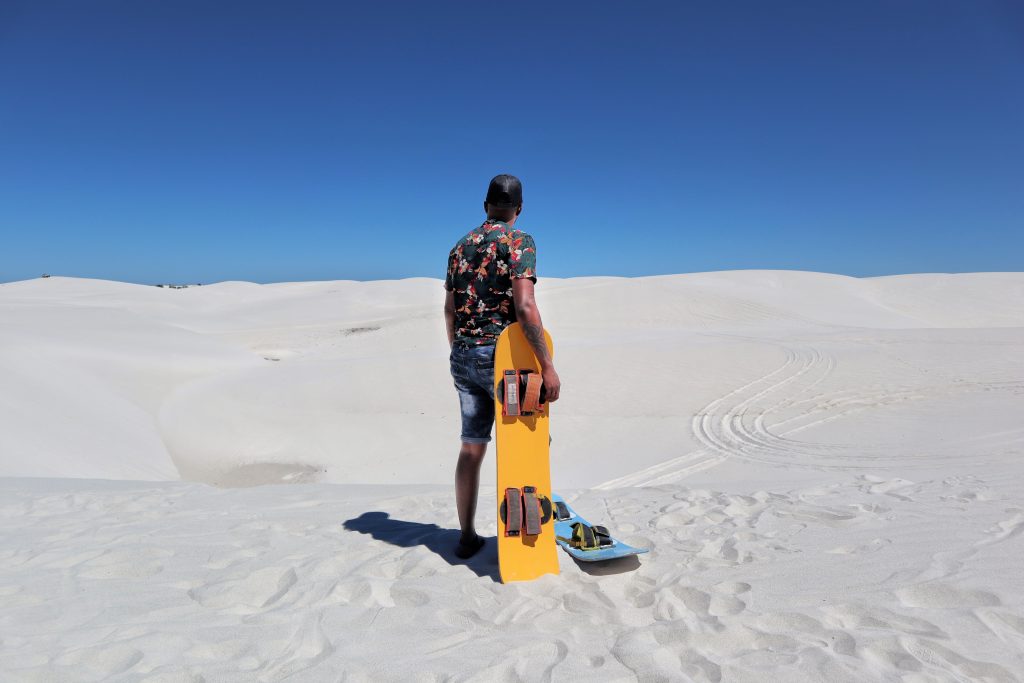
point(173, 284)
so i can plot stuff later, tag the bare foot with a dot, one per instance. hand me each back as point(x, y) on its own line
point(465, 550)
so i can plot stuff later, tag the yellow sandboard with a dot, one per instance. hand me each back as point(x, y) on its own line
point(523, 460)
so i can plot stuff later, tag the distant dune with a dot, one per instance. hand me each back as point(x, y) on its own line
point(347, 381)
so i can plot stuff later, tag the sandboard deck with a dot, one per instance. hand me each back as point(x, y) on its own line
point(563, 528)
point(522, 460)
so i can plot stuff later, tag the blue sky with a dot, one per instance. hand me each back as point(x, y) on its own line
point(196, 141)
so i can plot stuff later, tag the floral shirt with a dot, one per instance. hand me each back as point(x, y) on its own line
point(481, 268)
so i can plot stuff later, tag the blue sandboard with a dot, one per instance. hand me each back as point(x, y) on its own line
point(564, 528)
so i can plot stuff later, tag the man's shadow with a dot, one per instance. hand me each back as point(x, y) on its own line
point(405, 534)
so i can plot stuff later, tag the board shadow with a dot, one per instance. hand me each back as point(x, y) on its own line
point(405, 534)
point(619, 565)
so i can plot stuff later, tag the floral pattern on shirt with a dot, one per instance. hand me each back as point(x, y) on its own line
point(481, 268)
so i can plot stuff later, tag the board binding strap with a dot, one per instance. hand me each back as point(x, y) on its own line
point(524, 512)
point(522, 393)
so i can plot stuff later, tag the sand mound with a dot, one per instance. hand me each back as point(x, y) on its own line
point(828, 471)
point(314, 380)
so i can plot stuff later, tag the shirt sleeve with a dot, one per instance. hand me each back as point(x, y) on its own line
point(449, 278)
point(523, 258)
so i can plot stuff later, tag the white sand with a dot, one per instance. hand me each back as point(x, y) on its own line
point(829, 472)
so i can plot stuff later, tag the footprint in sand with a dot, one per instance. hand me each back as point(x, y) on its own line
point(896, 488)
point(822, 515)
point(230, 559)
point(871, 546)
point(861, 617)
point(945, 596)
point(408, 597)
point(222, 650)
point(724, 600)
point(308, 646)
point(174, 677)
point(641, 592)
point(465, 620)
point(16, 596)
point(936, 656)
point(645, 653)
point(725, 549)
point(725, 605)
point(248, 594)
point(672, 520)
point(707, 607)
point(889, 654)
point(1006, 529)
point(1006, 625)
point(808, 631)
point(125, 564)
point(100, 663)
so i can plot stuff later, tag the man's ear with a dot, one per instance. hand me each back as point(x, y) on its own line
point(519, 209)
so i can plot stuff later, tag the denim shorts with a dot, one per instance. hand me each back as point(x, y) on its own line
point(473, 372)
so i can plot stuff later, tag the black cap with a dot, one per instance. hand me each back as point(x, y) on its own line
point(505, 192)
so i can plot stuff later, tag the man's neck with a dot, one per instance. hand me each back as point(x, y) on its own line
point(509, 222)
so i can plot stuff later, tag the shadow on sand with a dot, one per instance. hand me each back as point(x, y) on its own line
point(609, 567)
point(405, 534)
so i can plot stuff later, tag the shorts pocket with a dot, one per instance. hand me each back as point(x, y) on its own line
point(458, 370)
point(482, 358)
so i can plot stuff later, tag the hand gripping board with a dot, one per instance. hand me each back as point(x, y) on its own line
point(522, 461)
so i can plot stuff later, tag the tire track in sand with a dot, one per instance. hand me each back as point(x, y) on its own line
point(710, 424)
point(738, 424)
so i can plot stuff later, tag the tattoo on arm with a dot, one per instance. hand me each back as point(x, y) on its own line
point(535, 335)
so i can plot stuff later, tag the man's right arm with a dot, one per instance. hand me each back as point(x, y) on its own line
point(449, 316)
point(449, 298)
point(528, 316)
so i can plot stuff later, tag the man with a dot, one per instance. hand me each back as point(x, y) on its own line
point(491, 274)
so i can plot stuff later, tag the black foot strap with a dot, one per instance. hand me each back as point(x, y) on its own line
point(587, 537)
point(533, 511)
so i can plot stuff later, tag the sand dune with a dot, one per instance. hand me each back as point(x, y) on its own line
point(828, 471)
